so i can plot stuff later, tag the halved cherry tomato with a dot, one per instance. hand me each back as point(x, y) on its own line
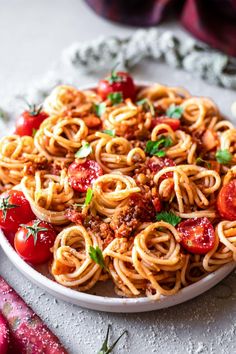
point(14, 210)
point(29, 121)
point(117, 82)
point(197, 235)
point(226, 201)
point(158, 163)
point(82, 175)
point(173, 123)
point(34, 240)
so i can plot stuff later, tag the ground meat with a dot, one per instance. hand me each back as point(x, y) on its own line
point(127, 219)
point(99, 228)
point(74, 216)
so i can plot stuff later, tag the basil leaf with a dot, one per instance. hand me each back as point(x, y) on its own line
point(174, 111)
point(84, 151)
point(223, 156)
point(168, 217)
point(115, 97)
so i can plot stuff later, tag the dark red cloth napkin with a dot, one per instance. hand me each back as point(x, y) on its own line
point(212, 21)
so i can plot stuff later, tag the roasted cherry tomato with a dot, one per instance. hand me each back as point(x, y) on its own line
point(197, 235)
point(226, 201)
point(158, 163)
point(30, 120)
point(82, 175)
point(34, 240)
point(173, 123)
point(117, 82)
point(14, 210)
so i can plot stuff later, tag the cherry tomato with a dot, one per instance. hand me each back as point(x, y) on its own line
point(197, 235)
point(158, 163)
point(34, 240)
point(173, 123)
point(82, 175)
point(117, 82)
point(226, 201)
point(30, 120)
point(14, 210)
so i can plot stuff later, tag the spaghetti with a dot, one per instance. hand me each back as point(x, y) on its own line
point(125, 179)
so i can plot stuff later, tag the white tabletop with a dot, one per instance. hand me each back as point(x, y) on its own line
point(32, 36)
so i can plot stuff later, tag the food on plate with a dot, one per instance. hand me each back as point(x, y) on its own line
point(138, 182)
point(30, 120)
point(14, 210)
point(34, 240)
point(28, 334)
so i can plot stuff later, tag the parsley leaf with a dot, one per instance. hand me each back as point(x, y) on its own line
point(115, 97)
point(105, 349)
point(96, 255)
point(109, 132)
point(223, 156)
point(169, 217)
point(34, 132)
point(89, 196)
point(174, 111)
point(84, 151)
point(200, 161)
point(154, 147)
point(99, 108)
point(147, 104)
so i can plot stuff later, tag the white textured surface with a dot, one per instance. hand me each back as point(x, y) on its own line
point(32, 36)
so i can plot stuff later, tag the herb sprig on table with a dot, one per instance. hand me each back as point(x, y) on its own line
point(106, 349)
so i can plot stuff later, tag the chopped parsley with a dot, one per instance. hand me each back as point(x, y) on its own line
point(174, 111)
point(155, 147)
point(109, 132)
point(168, 217)
point(200, 161)
point(223, 156)
point(96, 255)
point(84, 151)
point(147, 105)
point(89, 196)
point(99, 108)
point(115, 97)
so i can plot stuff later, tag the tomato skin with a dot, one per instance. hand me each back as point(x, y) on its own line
point(15, 216)
point(158, 163)
point(27, 123)
point(226, 201)
point(172, 122)
point(40, 251)
point(124, 84)
point(157, 204)
point(82, 175)
point(197, 235)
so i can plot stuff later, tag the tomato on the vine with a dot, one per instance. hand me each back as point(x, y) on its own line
point(30, 120)
point(117, 82)
point(34, 240)
point(82, 175)
point(14, 210)
point(197, 235)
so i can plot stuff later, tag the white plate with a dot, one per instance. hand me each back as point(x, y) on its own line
point(111, 303)
point(105, 298)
